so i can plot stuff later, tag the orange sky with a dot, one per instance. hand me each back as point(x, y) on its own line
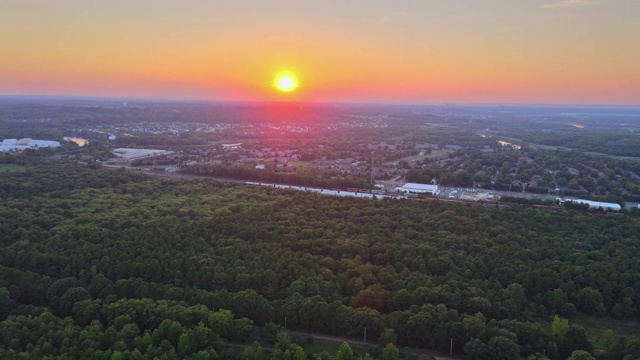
point(422, 51)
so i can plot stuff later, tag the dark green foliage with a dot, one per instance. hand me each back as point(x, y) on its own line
point(581, 355)
point(344, 352)
point(254, 352)
point(140, 263)
point(503, 348)
point(573, 338)
point(589, 300)
point(476, 349)
point(390, 352)
point(6, 303)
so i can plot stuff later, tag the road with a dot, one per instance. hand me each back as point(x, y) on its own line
point(444, 190)
point(351, 341)
point(518, 194)
point(174, 175)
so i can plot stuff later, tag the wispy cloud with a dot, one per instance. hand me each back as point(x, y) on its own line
point(385, 19)
point(566, 4)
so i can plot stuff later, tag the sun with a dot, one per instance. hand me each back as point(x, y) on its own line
point(286, 82)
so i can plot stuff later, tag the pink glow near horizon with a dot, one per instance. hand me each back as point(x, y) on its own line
point(363, 50)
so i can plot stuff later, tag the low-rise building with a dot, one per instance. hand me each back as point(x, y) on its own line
point(129, 154)
point(596, 204)
point(26, 143)
point(419, 188)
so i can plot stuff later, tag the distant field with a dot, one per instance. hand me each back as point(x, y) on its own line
point(11, 167)
point(299, 163)
point(596, 327)
point(550, 147)
point(634, 158)
point(433, 154)
point(547, 147)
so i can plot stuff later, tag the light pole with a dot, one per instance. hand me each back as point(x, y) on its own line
point(451, 348)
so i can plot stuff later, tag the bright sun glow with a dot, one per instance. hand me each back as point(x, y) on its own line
point(286, 82)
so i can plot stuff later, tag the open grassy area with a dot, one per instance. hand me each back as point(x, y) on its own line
point(547, 147)
point(634, 158)
point(11, 167)
point(433, 154)
point(596, 327)
point(550, 147)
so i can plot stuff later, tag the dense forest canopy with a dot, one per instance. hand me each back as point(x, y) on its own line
point(113, 263)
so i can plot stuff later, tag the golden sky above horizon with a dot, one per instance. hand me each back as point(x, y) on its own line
point(422, 51)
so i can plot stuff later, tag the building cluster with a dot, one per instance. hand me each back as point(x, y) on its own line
point(419, 189)
point(129, 154)
point(26, 143)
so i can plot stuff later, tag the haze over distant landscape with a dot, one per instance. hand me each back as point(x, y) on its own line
point(466, 51)
point(314, 180)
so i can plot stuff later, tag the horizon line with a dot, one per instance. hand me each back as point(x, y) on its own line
point(355, 103)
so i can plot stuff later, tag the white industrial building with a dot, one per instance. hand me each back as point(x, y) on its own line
point(26, 143)
point(418, 188)
point(598, 204)
point(129, 154)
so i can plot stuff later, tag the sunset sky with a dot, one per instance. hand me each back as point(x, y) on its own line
point(394, 51)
